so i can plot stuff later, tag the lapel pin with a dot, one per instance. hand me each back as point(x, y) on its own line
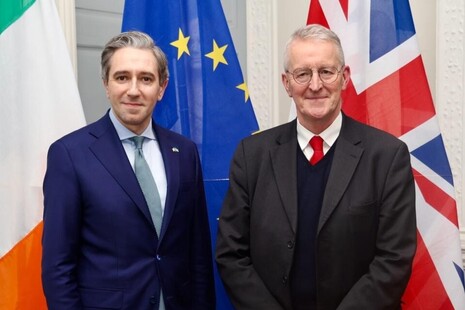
point(175, 150)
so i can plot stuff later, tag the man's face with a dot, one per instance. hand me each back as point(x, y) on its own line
point(317, 103)
point(133, 87)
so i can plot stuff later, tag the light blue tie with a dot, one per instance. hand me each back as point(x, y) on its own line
point(147, 183)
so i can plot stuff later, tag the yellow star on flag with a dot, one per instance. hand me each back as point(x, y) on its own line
point(217, 55)
point(181, 44)
point(243, 87)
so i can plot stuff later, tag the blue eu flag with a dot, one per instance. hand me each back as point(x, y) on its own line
point(207, 98)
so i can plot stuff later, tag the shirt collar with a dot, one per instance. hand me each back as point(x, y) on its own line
point(124, 133)
point(329, 135)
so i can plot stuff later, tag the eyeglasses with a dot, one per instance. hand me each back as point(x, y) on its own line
point(327, 75)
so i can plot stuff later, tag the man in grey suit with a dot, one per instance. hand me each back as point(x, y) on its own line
point(298, 231)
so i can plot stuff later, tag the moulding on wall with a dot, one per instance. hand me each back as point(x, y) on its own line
point(260, 54)
point(450, 82)
point(462, 245)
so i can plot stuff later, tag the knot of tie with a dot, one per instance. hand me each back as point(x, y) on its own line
point(317, 145)
point(138, 141)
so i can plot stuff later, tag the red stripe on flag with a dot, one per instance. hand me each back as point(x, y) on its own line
point(425, 289)
point(437, 198)
point(397, 104)
point(316, 15)
point(345, 7)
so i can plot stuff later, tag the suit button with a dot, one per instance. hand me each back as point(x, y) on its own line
point(153, 300)
point(290, 244)
point(158, 257)
point(285, 279)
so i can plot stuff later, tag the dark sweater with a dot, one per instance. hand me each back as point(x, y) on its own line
point(311, 183)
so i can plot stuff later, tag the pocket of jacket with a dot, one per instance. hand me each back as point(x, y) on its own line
point(361, 208)
point(101, 298)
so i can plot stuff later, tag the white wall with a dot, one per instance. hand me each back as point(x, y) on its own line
point(450, 96)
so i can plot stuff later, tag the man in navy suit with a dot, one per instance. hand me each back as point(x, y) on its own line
point(298, 233)
point(101, 249)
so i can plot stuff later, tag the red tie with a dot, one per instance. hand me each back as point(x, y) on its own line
point(317, 145)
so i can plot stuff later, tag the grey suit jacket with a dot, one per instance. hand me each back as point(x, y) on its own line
point(366, 235)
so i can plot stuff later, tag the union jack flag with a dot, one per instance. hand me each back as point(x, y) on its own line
point(389, 90)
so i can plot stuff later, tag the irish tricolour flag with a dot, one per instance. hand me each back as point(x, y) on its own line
point(39, 102)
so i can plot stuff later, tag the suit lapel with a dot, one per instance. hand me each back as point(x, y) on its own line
point(284, 165)
point(170, 154)
point(110, 152)
point(346, 158)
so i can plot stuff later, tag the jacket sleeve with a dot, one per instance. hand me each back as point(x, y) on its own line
point(202, 264)
point(62, 220)
point(243, 284)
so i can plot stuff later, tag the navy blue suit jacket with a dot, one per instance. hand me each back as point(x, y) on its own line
point(100, 248)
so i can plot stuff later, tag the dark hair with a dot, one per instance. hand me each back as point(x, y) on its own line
point(135, 39)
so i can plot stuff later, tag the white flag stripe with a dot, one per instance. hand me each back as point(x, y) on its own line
point(388, 64)
point(441, 236)
point(354, 35)
point(355, 38)
point(40, 103)
point(421, 134)
point(337, 18)
point(432, 176)
point(418, 137)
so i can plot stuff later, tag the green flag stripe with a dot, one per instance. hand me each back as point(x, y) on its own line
point(11, 10)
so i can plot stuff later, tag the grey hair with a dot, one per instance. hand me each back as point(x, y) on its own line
point(135, 39)
point(314, 32)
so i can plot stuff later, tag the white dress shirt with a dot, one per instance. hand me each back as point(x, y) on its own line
point(329, 136)
point(151, 150)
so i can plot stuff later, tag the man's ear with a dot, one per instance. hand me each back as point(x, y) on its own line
point(161, 92)
point(345, 76)
point(105, 85)
point(286, 84)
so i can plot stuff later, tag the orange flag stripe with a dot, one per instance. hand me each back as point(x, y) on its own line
point(20, 282)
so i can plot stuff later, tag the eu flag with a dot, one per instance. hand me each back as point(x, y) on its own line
point(207, 98)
